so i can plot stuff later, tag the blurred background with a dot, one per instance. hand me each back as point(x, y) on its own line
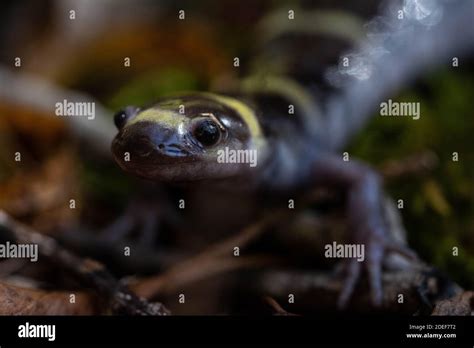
point(86, 55)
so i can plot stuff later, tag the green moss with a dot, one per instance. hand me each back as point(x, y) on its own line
point(153, 84)
point(446, 125)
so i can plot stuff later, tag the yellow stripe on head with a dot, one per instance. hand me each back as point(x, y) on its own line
point(244, 111)
point(161, 116)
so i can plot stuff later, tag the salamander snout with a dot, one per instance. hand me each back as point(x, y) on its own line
point(148, 143)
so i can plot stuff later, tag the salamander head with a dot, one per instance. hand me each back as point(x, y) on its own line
point(188, 137)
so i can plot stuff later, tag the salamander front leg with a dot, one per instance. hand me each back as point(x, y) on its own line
point(366, 223)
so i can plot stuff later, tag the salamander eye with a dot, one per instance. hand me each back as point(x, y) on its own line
point(207, 132)
point(123, 116)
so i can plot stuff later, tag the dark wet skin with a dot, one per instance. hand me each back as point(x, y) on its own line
point(168, 146)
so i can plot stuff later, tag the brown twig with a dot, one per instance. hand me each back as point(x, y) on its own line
point(91, 273)
point(417, 163)
point(193, 270)
point(213, 260)
point(248, 234)
point(278, 310)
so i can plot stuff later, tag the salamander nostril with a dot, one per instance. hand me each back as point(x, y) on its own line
point(161, 146)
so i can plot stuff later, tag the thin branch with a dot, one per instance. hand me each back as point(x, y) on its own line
point(90, 272)
point(196, 269)
point(277, 308)
point(417, 163)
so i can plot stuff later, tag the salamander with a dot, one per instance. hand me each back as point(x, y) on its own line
point(167, 145)
point(269, 137)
